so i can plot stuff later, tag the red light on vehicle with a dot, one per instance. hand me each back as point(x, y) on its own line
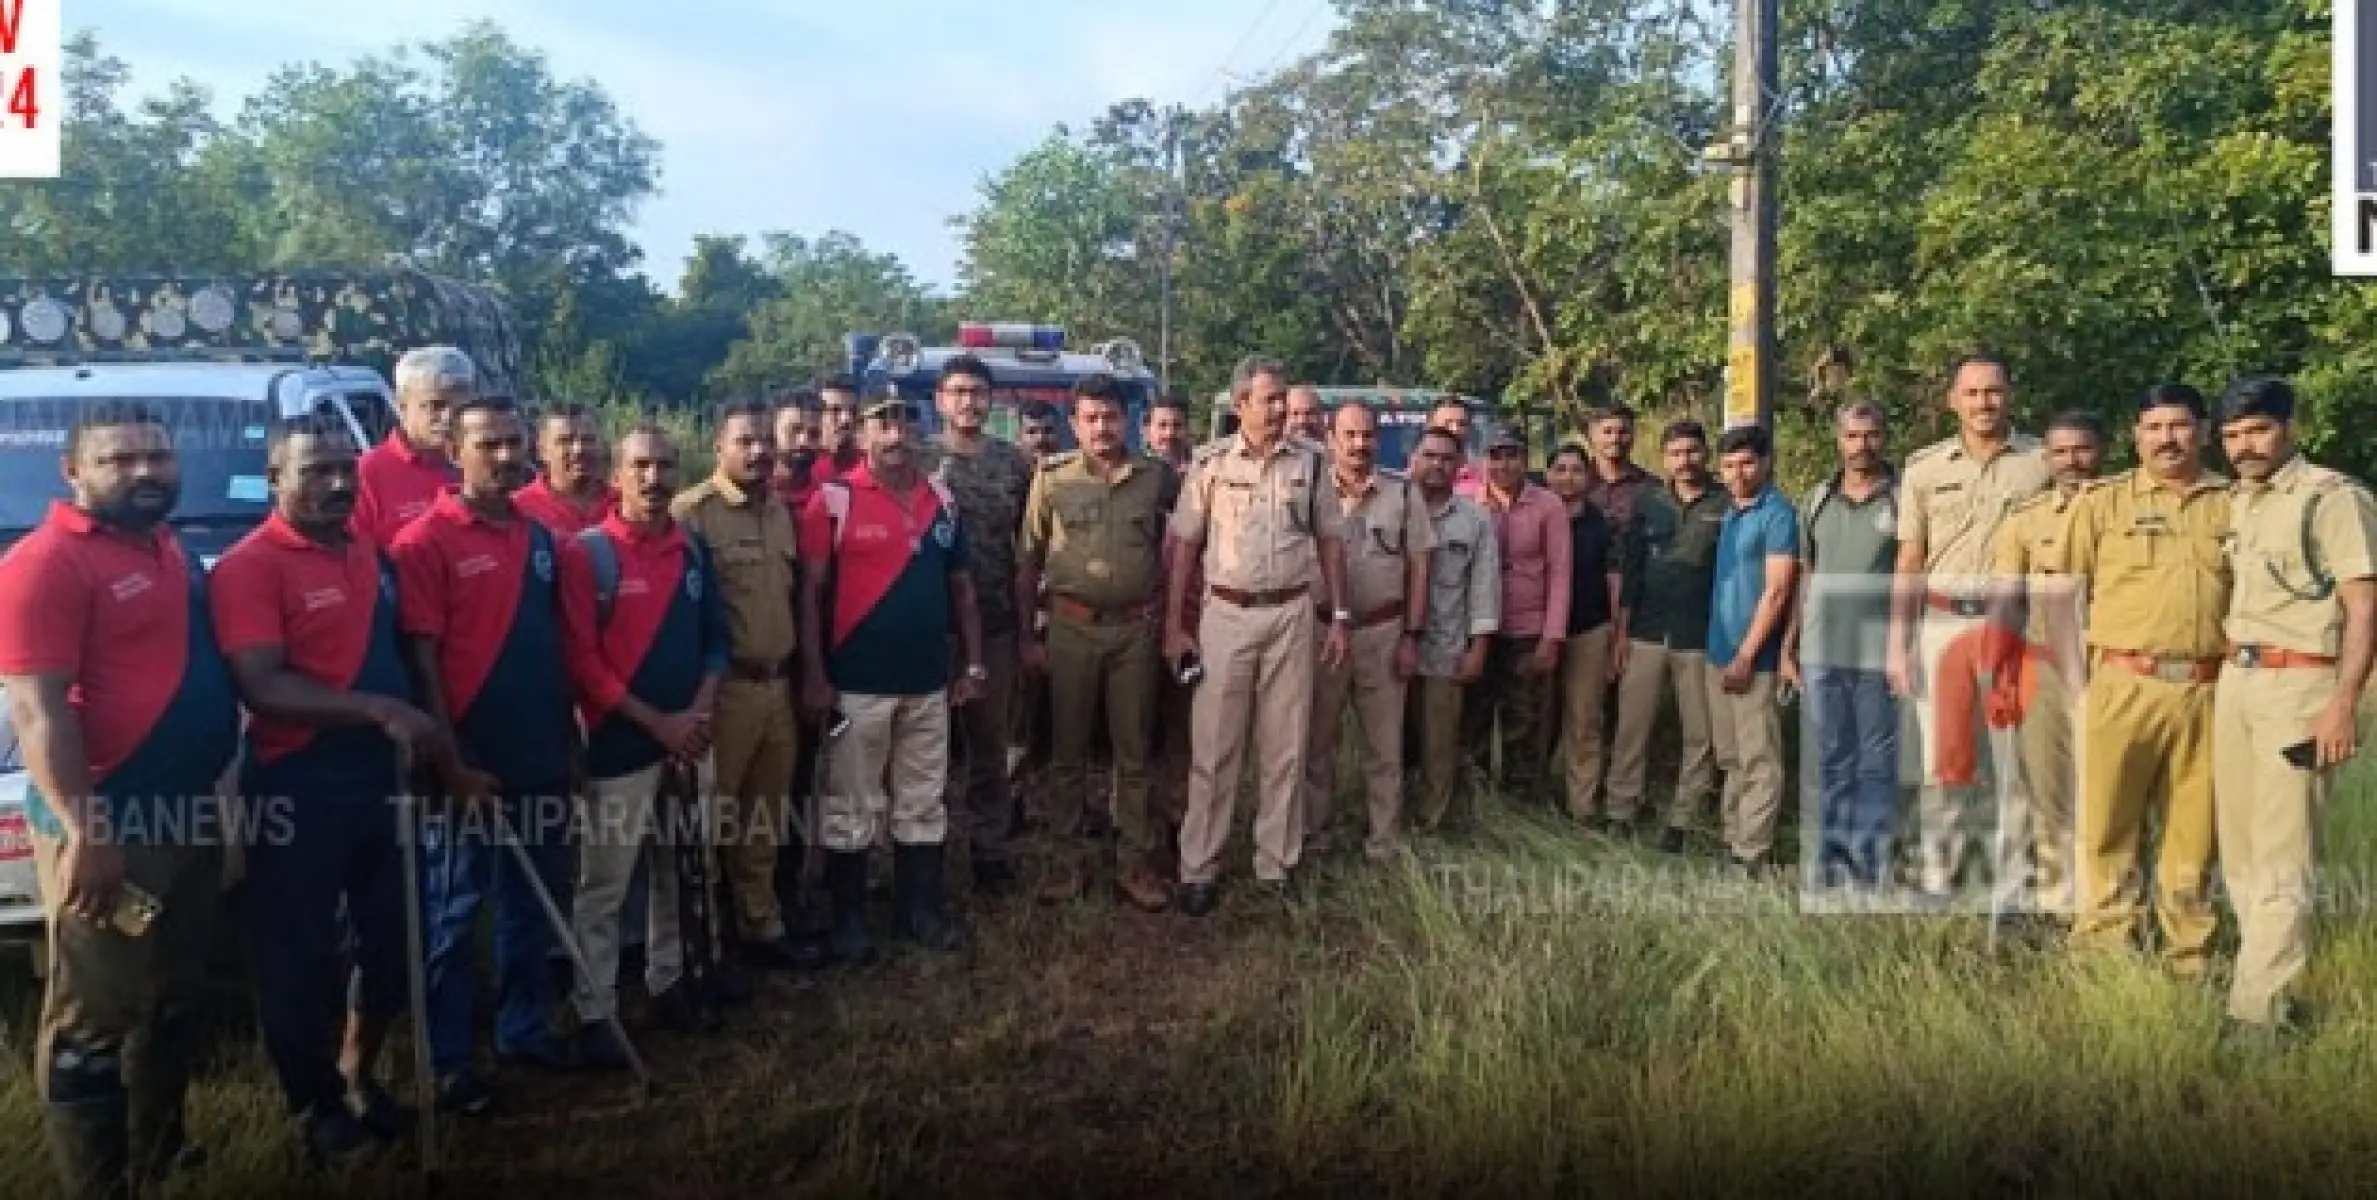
point(974, 335)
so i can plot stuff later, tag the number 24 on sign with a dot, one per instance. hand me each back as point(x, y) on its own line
point(29, 63)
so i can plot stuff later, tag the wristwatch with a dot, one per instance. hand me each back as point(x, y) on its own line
point(975, 672)
point(1341, 617)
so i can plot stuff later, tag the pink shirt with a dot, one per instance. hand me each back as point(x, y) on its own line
point(1532, 532)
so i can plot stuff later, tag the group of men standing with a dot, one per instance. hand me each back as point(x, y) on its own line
point(592, 670)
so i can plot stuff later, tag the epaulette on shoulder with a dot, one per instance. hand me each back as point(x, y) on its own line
point(1208, 450)
point(2329, 479)
point(2032, 501)
point(1931, 451)
point(1062, 458)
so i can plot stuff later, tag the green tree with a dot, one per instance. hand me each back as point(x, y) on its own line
point(825, 288)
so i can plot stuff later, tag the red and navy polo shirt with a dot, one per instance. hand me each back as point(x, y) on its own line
point(558, 512)
point(484, 591)
point(891, 613)
point(397, 483)
point(667, 632)
point(332, 612)
point(125, 619)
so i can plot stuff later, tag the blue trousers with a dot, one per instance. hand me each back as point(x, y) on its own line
point(465, 867)
point(1855, 720)
point(314, 848)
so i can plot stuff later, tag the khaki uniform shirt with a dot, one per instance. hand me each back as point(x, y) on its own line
point(1952, 502)
point(2287, 567)
point(1258, 518)
point(753, 552)
point(1098, 539)
point(1464, 585)
point(2035, 539)
point(1384, 523)
point(2158, 578)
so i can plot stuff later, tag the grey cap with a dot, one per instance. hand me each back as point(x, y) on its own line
point(1505, 434)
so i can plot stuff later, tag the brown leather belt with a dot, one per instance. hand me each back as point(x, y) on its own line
point(1962, 606)
point(2277, 658)
point(756, 672)
point(1390, 611)
point(1090, 614)
point(1270, 599)
point(2168, 668)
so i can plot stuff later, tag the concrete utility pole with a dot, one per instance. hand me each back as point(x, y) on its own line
point(1749, 148)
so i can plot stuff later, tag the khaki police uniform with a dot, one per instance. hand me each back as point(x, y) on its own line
point(2034, 544)
point(1098, 539)
point(754, 555)
point(1952, 501)
point(2295, 538)
point(2158, 586)
point(1464, 603)
point(1259, 520)
point(1386, 529)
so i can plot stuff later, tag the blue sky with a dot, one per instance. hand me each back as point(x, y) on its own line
point(880, 117)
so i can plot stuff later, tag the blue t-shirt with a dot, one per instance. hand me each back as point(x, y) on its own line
point(1768, 527)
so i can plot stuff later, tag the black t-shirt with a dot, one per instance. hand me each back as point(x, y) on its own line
point(1593, 558)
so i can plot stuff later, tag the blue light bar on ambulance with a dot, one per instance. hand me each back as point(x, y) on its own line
point(983, 335)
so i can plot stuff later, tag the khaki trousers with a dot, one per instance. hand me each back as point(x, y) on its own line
point(623, 828)
point(1748, 732)
point(1962, 765)
point(981, 804)
point(2049, 742)
point(890, 768)
point(118, 1012)
point(1367, 680)
point(2267, 813)
point(2149, 752)
point(1437, 713)
point(1653, 672)
point(1584, 698)
point(755, 744)
point(1095, 670)
point(1258, 669)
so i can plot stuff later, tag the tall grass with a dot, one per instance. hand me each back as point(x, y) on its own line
point(1534, 1011)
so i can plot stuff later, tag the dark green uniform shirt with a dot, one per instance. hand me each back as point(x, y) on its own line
point(1099, 539)
point(1674, 552)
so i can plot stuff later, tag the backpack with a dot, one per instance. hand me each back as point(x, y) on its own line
point(1823, 496)
point(604, 554)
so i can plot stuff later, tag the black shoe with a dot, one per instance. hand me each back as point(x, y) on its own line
point(729, 987)
point(786, 953)
point(1200, 899)
point(599, 1048)
point(464, 1093)
point(994, 878)
point(545, 1053)
point(1671, 840)
point(380, 1113)
point(681, 1011)
point(920, 910)
point(846, 884)
point(336, 1141)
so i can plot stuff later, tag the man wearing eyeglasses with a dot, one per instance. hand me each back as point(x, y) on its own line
point(990, 479)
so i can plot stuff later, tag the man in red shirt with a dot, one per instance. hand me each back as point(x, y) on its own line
point(127, 721)
point(477, 583)
point(837, 427)
point(306, 614)
point(401, 476)
point(889, 543)
point(800, 432)
point(647, 642)
point(573, 491)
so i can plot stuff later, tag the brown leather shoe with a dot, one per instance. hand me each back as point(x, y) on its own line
point(1138, 885)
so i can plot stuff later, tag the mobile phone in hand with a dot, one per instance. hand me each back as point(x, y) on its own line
point(1190, 670)
point(2302, 756)
point(135, 911)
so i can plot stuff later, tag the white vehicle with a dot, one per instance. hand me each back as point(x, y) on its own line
point(221, 412)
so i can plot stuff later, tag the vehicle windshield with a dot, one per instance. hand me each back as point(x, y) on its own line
point(220, 443)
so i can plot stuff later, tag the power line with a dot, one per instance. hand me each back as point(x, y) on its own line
point(1222, 73)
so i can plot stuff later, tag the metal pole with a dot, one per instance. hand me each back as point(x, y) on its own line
point(1749, 148)
point(1171, 204)
point(416, 979)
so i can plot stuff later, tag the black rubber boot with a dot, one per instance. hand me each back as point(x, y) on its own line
point(846, 884)
point(919, 894)
point(89, 1144)
point(157, 1083)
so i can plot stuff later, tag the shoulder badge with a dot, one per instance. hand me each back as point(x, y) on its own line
point(2032, 501)
point(1934, 450)
point(1062, 458)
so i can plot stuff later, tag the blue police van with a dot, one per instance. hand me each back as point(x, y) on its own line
point(1027, 363)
